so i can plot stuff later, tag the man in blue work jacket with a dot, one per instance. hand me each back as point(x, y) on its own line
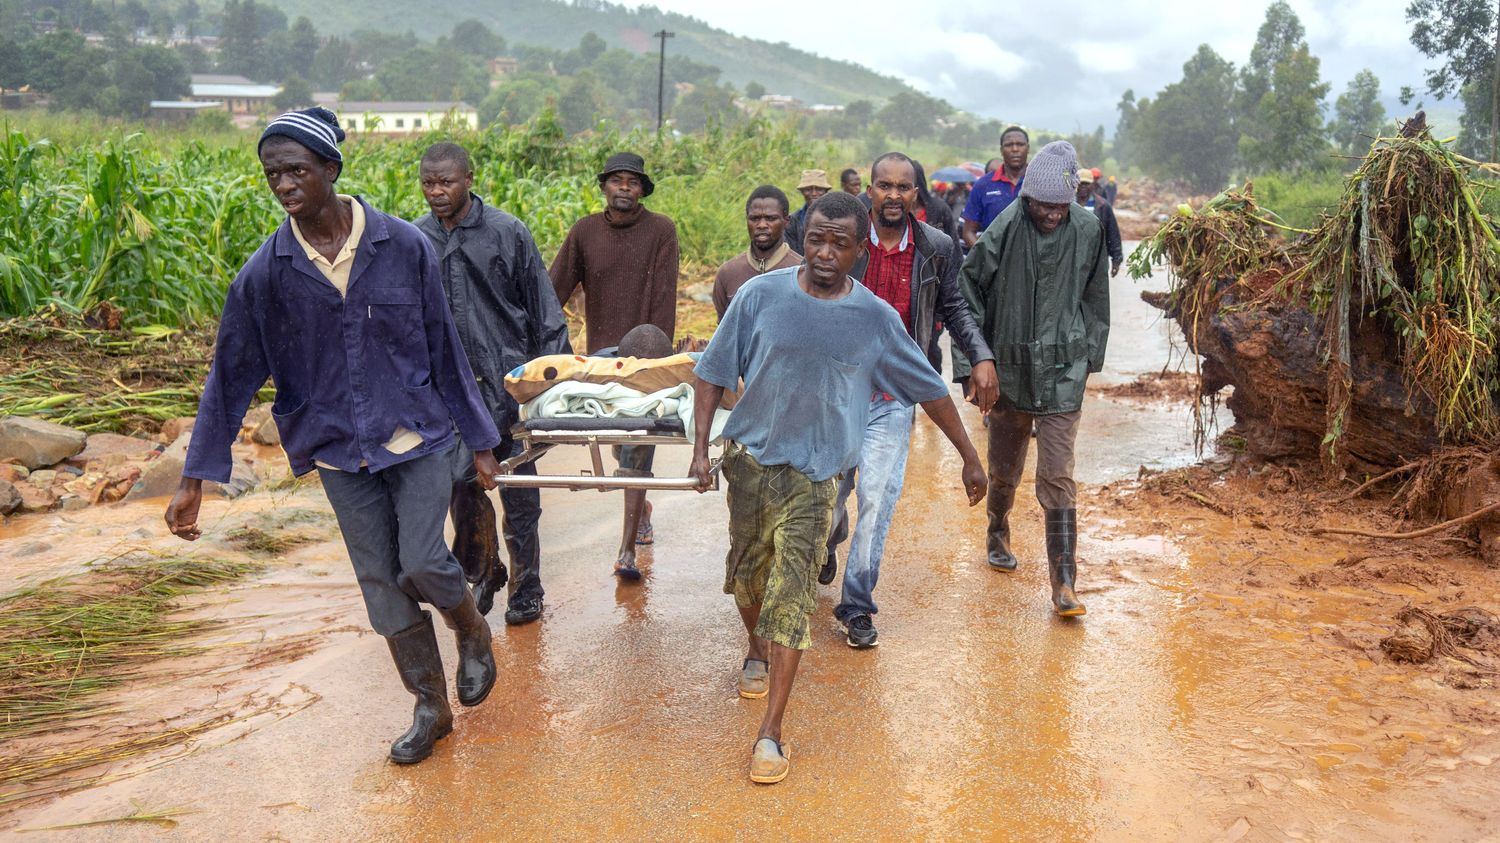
point(343, 308)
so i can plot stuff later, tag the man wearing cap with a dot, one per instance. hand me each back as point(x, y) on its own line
point(814, 183)
point(1037, 282)
point(1090, 198)
point(625, 259)
point(507, 315)
point(343, 309)
point(998, 188)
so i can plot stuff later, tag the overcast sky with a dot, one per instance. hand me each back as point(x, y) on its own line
point(1037, 64)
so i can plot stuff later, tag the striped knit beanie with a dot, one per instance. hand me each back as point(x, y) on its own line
point(1052, 176)
point(316, 128)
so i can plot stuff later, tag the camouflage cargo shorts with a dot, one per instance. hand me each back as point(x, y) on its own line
point(778, 529)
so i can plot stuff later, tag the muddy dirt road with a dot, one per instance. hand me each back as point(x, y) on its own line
point(1193, 702)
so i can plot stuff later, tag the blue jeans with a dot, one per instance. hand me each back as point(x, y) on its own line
point(881, 473)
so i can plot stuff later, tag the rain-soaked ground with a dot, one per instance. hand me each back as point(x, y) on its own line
point(1177, 709)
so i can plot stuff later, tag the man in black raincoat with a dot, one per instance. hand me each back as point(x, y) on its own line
point(507, 314)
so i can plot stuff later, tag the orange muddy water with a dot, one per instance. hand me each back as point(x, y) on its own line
point(1186, 705)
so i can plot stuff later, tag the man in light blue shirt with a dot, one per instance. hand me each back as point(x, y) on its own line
point(811, 346)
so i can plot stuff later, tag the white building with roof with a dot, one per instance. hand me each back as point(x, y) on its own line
point(406, 117)
point(236, 94)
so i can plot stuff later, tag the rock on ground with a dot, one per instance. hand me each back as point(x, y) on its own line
point(266, 433)
point(10, 498)
point(173, 428)
point(101, 446)
point(35, 443)
point(161, 475)
point(36, 498)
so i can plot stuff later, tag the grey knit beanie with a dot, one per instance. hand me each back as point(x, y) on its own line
point(1052, 176)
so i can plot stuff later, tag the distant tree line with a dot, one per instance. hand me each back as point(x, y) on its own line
point(117, 77)
point(1267, 116)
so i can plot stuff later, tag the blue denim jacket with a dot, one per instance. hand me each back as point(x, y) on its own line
point(347, 371)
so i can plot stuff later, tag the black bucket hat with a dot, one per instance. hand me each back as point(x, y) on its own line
point(628, 162)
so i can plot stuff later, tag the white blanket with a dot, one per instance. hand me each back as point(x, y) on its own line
point(578, 400)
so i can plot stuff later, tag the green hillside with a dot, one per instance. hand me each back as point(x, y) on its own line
point(782, 69)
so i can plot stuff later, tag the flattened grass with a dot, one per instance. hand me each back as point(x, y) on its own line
point(65, 641)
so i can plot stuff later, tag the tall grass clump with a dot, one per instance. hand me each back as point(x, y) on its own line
point(1410, 243)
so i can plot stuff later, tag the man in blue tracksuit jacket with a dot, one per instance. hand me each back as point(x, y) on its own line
point(343, 309)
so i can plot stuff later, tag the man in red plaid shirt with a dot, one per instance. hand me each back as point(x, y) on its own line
point(912, 267)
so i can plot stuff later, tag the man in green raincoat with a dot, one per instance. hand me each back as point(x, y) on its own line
point(1038, 283)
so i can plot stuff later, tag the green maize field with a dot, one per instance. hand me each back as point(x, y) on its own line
point(158, 224)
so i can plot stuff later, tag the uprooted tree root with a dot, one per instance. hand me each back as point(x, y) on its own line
point(1424, 635)
point(1374, 344)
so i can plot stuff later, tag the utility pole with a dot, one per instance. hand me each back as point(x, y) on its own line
point(661, 77)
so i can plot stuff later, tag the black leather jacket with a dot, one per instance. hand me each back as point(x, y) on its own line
point(936, 297)
point(501, 298)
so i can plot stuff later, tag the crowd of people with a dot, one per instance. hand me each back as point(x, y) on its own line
point(830, 326)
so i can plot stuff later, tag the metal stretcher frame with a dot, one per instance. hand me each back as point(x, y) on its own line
point(539, 442)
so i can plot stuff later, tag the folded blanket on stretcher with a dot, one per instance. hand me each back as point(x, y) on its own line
point(577, 400)
point(648, 375)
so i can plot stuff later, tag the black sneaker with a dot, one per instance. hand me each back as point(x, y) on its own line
point(831, 567)
point(861, 632)
point(525, 611)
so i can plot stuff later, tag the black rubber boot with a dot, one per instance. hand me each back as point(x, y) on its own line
point(486, 589)
point(526, 577)
point(415, 652)
point(830, 568)
point(1062, 544)
point(476, 661)
point(997, 540)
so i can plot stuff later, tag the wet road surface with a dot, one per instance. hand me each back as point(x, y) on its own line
point(1169, 712)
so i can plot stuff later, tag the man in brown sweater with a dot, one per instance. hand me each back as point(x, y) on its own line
point(625, 259)
point(765, 217)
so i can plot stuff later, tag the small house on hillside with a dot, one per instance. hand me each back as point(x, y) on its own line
point(236, 94)
point(405, 117)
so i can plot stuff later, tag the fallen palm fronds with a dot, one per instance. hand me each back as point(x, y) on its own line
point(64, 641)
